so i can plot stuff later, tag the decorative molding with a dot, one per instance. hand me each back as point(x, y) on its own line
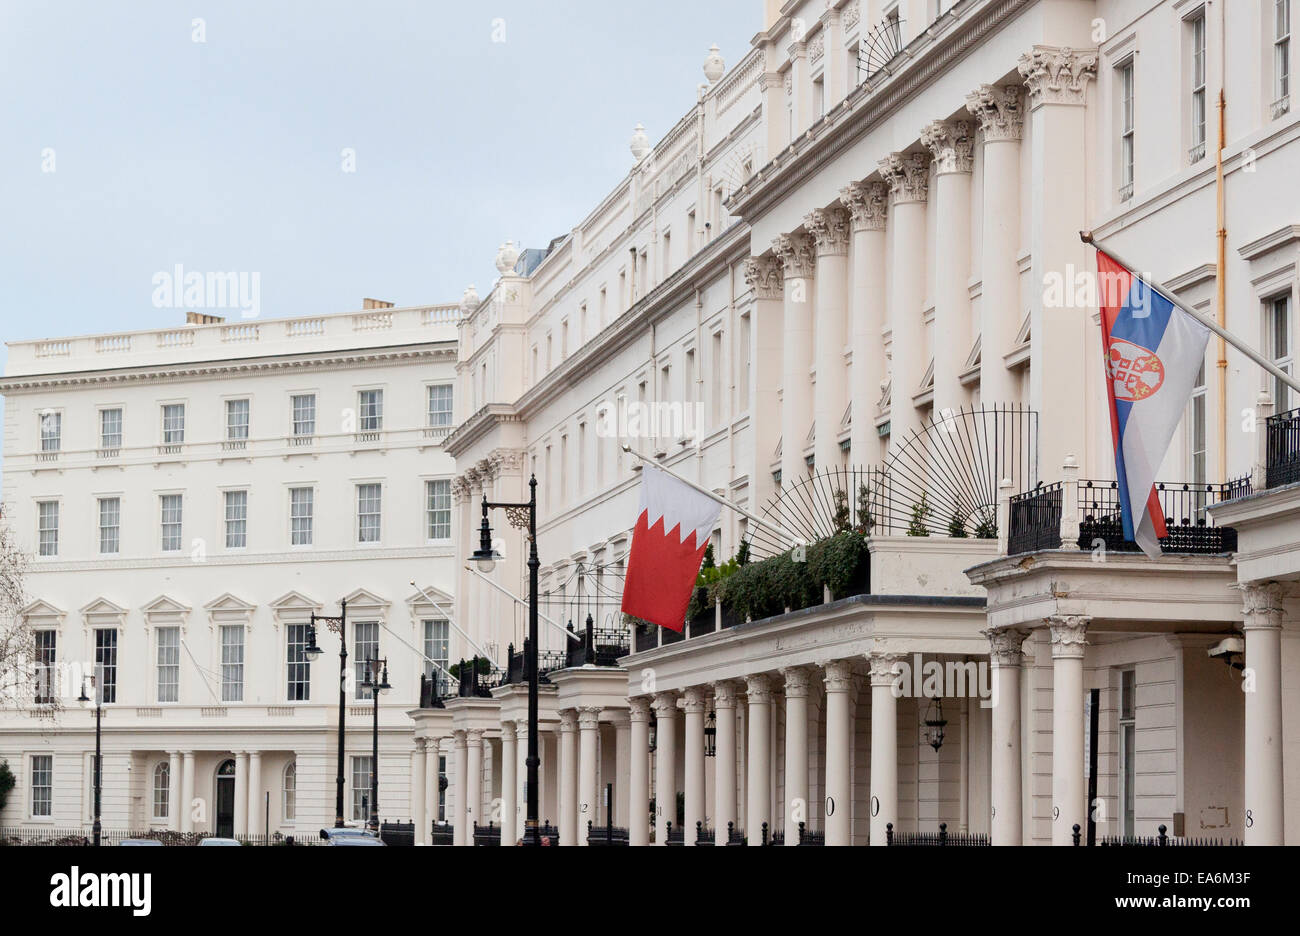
point(695, 702)
point(839, 676)
point(829, 229)
point(999, 110)
point(1005, 645)
point(867, 203)
point(852, 15)
point(665, 704)
point(883, 667)
point(797, 255)
point(1058, 75)
point(1262, 604)
point(952, 143)
point(638, 709)
point(765, 276)
point(908, 177)
point(1069, 635)
point(758, 691)
point(1279, 238)
point(724, 694)
point(797, 681)
point(589, 717)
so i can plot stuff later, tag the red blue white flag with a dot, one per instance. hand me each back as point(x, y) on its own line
point(668, 543)
point(1153, 351)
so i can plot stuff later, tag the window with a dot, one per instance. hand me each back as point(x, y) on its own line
point(106, 664)
point(742, 365)
point(361, 770)
point(51, 431)
point(232, 663)
point(564, 339)
point(169, 663)
point(171, 506)
point(365, 647)
point(173, 423)
point(289, 796)
point(440, 405)
point(668, 255)
point(236, 519)
point(304, 414)
point(438, 495)
point(299, 666)
point(236, 420)
point(1196, 429)
point(1279, 345)
point(110, 525)
point(688, 378)
point(717, 391)
point(436, 648)
point(819, 97)
point(1126, 116)
point(1281, 57)
point(42, 785)
point(46, 646)
point(110, 429)
point(300, 516)
point(442, 793)
point(368, 511)
point(1197, 27)
point(47, 523)
point(1127, 748)
point(690, 233)
point(162, 786)
point(370, 404)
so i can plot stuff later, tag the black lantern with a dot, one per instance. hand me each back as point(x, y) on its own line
point(935, 723)
point(711, 735)
point(654, 731)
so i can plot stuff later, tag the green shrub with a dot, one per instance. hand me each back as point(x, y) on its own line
point(920, 514)
point(482, 664)
point(957, 525)
point(836, 562)
point(7, 781)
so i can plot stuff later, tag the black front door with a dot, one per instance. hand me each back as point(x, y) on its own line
point(225, 817)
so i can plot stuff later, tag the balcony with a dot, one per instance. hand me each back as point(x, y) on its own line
point(1282, 449)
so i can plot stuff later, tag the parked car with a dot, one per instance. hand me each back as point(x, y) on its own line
point(349, 837)
point(216, 841)
point(140, 842)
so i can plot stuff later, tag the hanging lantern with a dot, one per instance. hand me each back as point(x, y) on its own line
point(654, 731)
point(711, 735)
point(935, 723)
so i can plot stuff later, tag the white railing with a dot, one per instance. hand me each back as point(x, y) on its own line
point(240, 333)
point(177, 338)
point(304, 328)
point(49, 349)
point(110, 343)
point(372, 321)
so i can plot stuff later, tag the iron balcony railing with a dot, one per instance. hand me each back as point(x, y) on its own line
point(597, 646)
point(1035, 521)
point(1282, 456)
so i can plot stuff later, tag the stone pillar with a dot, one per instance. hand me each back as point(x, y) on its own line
point(801, 84)
point(795, 252)
point(694, 757)
point(724, 786)
point(174, 782)
point(908, 177)
point(796, 751)
point(509, 784)
point(241, 793)
point(665, 706)
point(589, 739)
point(829, 229)
point(764, 275)
point(953, 144)
point(884, 745)
point(431, 793)
point(1264, 740)
point(461, 834)
point(1000, 112)
point(418, 807)
point(868, 204)
point(622, 764)
point(840, 698)
point(1069, 793)
point(638, 781)
point(473, 781)
point(771, 85)
point(1005, 659)
point(521, 779)
point(187, 791)
point(256, 795)
point(568, 777)
point(759, 795)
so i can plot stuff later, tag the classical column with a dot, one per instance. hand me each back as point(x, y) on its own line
point(665, 706)
point(759, 795)
point(638, 781)
point(767, 346)
point(187, 791)
point(474, 780)
point(589, 738)
point(908, 177)
point(839, 742)
point(568, 777)
point(461, 834)
point(1262, 628)
point(868, 204)
point(1005, 660)
point(1000, 112)
point(952, 144)
point(174, 782)
point(622, 762)
point(418, 805)
point(695, 704)
point(724, 786)
point(829, 229)
point(795, 252)
point(241, 793)
point(256, 795)
point(1069, 795)
point(796, 751)
point(884, 744)
point(521, 778)
point(509, 787)
point(431, 794)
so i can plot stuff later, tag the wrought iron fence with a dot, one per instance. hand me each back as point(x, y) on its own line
point(1189, 527)
point(606, 835)
point(598, 646)
point(942, 837)
point(397, 833)
point(704, 836)
point(75, 836)
point(1160, 840)
point(810, 837)
point(1282, 449)
point(1035, 521)
point(735, 836)
point(489, 834)
point(442, 833)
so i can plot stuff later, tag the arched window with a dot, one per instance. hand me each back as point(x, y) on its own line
point(289, 803)
point(162, 786)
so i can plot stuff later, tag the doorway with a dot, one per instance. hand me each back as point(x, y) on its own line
point(225, 812)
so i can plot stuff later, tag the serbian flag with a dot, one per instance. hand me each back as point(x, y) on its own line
point(668, 543)
point(1153, 351)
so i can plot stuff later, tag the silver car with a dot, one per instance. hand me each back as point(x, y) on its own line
point(350, 837)
point(216, 841)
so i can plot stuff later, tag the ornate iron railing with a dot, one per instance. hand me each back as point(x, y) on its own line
point(606, 835)
point(1160, 840)
point(487, 835)
point(1189, 526)
point(443, 833)
point(1035, 520)
point(942, 837)
point(1282, 454)
point(397, 833)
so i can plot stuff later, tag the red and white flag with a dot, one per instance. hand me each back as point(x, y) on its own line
point(668, 543)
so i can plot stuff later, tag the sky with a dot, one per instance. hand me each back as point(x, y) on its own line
point(338, 150)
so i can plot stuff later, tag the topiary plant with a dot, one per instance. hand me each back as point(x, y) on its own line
point(957, 525)
point(7, 781)
point(920, 513)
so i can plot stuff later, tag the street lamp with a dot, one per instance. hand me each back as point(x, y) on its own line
point(485, 557)
point(376, 684)
point(96, 829)
point(935, 723)
point(711, 735)
point(339, 626)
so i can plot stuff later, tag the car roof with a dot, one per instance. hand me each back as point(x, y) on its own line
point(140, 842)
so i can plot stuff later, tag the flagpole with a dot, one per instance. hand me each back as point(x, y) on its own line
point(515, 598)
point(1243, 347)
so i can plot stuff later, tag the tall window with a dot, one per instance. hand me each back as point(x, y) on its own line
point(162, 786)
point(110, 429)
point(365, 647)
point(171, 506)
point(232, 663)
point(1127, 748)
point(47, 524)
point(440, 405)
point(304, 414)
point(1279, 345)
point(1198, 87)
point(1126, 131)
point(236, 420)
point(173, 423)
point(42, 785)
point(1196, 429)
point(717, 391)
point(289, 796)
point(1281, 57)
point(436, 648)
point(370, 406)
point(300, 516)
point(361, 769)
point(51, 431)
point(46, 655)
point(106, 663)
point(442, 793)
point(742, 364)
point(438, 500)
point(369, 504)
point(169, 663)
point(299, 667)
point(110, 525)
point(236, 519)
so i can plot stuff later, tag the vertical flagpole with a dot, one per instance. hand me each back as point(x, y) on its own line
point(1221, 272)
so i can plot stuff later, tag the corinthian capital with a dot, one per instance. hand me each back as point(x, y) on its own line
point(952, 142)
point(1262, 605)
point(999, 110)
point(908, 176)
point(763, 275)
point(868, 204)
point(1005, 645)
point(1069, 635)
point(795, 251)
point(1057, 75)
point(829, 228)
point(882, 668)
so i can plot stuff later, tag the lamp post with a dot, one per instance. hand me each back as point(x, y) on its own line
point(96, 829)
point(376, 684)
point(485, 557)
point(339, 626)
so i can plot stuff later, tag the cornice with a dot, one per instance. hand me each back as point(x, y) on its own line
point(296, 556)
point(477, 426)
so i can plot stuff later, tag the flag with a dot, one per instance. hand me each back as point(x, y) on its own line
point(668, 543)
point(1153, 351)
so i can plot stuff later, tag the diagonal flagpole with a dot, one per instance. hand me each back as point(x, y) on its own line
point(1229, 337)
